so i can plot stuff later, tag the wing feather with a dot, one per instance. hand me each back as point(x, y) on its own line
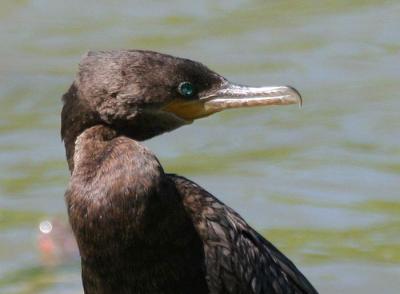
point(238, 259)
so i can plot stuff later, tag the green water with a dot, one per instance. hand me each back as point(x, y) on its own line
point(321, 182)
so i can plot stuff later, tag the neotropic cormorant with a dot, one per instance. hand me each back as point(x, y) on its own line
point(139, 229)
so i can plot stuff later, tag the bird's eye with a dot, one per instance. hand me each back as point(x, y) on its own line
point(186, 89)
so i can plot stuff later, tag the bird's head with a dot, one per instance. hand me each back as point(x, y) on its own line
point(144, 93)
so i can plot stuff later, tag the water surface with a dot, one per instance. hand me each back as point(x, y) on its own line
point(321, 182)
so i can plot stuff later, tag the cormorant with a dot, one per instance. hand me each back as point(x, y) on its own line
point(142, 230)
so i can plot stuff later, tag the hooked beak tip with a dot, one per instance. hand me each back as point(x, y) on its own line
point(298, 95)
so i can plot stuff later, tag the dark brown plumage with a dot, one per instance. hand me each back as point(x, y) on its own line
point(139, 229)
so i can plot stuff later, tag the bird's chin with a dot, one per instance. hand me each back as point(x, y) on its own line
point(154, 122)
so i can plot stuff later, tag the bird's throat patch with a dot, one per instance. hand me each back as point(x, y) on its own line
point(187, 110)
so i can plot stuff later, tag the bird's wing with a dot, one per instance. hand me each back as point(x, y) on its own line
point(237, 258)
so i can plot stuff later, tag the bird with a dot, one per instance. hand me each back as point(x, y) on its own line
point(140, 229)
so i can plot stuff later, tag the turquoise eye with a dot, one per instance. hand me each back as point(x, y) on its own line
point(186, 89)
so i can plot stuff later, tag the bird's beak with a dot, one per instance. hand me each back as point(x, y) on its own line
point(233, 96)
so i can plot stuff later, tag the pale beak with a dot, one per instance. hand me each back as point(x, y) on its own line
point(236, 96)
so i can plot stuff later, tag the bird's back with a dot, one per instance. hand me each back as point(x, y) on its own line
point(237, 258)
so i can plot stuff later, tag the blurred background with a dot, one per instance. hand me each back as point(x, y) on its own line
point(321, 182)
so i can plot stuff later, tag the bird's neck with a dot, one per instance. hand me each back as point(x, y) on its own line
point(128, 218)
point(119, 183)
point(75, 118)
